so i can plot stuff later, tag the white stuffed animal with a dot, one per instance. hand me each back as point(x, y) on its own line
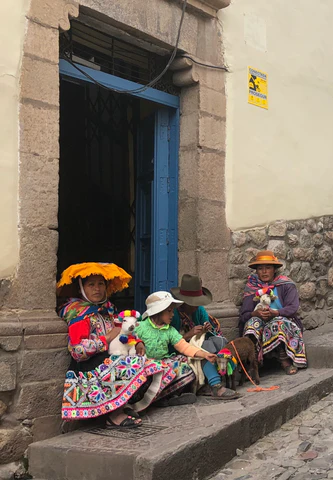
point(125, 342)
point(265, 297)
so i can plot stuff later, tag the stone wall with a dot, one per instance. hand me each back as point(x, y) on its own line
point(305, 249)
point(33, 354)
point(33, 362)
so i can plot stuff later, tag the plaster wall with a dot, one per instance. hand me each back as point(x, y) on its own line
point(12, 25)
point(279, 161)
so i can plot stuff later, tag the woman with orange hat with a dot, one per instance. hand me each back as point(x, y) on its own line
point(98, 384)
point(275, 328)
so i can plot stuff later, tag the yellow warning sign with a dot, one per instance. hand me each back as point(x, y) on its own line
point(257, 88)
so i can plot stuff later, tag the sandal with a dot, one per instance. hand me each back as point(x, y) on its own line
point(131, 413)
point(204, 391)
point(290, 370)
point(228, 394)
point(128, 422)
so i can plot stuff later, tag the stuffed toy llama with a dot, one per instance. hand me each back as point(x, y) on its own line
point(265, 297)
point(124, 343)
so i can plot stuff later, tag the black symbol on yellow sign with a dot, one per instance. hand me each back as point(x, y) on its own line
point(254, 83)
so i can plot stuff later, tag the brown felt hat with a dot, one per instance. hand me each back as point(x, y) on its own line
point(265, 257)
point(192, 292)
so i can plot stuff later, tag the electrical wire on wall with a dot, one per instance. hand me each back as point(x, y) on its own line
point(207, 65)
point(152, 82)
point(158, 77)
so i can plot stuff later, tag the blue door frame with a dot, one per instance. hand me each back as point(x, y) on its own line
point(164, 231)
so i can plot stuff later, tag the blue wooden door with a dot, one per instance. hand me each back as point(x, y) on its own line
point(157, 207)
point(143, 210)
point(157, 182)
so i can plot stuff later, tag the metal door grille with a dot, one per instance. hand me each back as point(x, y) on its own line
point(96, 193)
point(92, 48)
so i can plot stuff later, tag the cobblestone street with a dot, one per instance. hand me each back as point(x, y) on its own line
point(301, 449)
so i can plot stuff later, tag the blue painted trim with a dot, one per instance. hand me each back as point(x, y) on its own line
point(118, 83)
point(173, 200)
point(160, 232)
point(165, 201)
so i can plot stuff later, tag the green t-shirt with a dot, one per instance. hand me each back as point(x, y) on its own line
point(157, 339)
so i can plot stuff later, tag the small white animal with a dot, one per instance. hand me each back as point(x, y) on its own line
point(124, 343)
point(265, 297)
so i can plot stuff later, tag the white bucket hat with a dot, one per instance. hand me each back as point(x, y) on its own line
point(159, 301)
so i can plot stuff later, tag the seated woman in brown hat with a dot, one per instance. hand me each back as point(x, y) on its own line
point(192, 319)
point(276, 327)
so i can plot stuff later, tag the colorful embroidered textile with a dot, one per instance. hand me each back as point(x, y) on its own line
point(96, 383)
point(254, 284)
point(111, 385)
point(231, 361)
point(184, 375)
point(117, 380)
point(87, 326)
point(287, 298)
point(278, 331)
point(77, 309)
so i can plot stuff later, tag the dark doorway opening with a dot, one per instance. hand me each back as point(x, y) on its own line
point(99, 148)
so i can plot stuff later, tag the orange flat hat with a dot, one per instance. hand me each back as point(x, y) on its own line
point(116, 277)
point(265, 257)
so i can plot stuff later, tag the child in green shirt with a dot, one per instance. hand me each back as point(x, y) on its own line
point(157, 334)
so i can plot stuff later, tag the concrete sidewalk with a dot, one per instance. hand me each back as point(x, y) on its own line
point(186, 443)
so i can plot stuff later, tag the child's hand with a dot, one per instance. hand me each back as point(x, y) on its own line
point(140, 349)
point(211, 357)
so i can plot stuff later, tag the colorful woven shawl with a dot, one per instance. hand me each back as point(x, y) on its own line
point(254, 284)
point(77, 309)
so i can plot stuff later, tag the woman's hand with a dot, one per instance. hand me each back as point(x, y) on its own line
point(207, 327)
point(197, 330)
point(265, 314)
point(274, 313)
point(262, 313)
point(140, 349)
point(112, 334)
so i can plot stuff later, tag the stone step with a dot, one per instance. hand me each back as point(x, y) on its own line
point(319, 346)
point(188, 442)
